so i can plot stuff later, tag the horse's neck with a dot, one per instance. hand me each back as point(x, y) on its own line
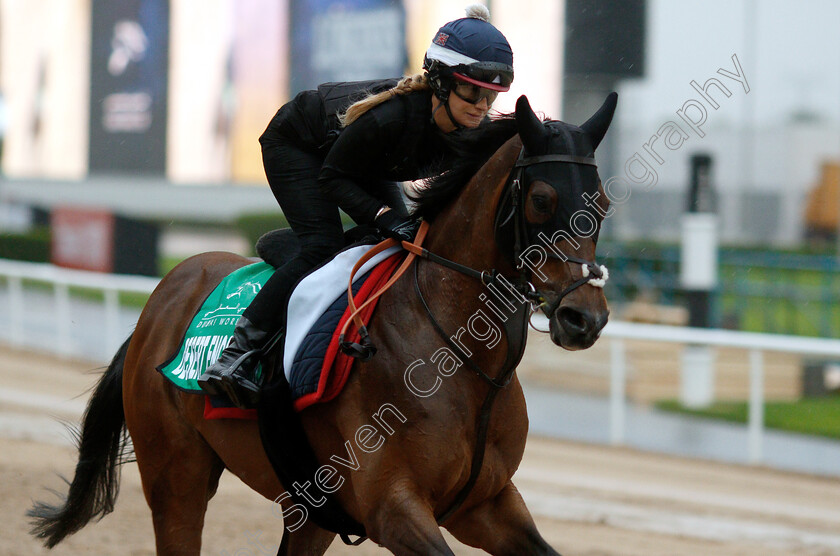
point(465, 230)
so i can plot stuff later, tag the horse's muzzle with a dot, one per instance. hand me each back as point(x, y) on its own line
point(573, 328)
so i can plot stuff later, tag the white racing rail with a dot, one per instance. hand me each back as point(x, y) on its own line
point(755, 343)
point(63, 279)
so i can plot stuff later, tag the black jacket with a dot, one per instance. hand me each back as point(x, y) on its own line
point(394, 141)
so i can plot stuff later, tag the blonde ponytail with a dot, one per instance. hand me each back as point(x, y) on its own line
point(418, 82)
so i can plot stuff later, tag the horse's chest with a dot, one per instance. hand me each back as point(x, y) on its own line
point(509, 428)
point(505, 442)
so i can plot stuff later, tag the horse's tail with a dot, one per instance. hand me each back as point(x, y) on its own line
point(102, 445)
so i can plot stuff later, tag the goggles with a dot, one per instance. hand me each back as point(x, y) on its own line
point(473, 94)
point(491, 75)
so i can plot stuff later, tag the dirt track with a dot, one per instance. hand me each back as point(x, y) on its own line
point(587, 500)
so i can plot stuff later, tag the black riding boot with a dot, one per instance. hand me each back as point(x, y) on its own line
point(234, 372)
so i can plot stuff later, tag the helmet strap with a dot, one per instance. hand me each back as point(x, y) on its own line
point(458, 127)
point(445, 105)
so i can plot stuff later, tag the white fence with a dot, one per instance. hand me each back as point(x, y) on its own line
point(617, 332)
point(61, 280)
point(755, 343)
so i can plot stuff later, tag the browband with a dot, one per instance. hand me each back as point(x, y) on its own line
point(529, 160)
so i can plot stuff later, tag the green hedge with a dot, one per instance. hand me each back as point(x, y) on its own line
point(32, 246)
point(816, 416)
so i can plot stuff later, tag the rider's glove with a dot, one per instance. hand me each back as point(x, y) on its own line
point(394, 226)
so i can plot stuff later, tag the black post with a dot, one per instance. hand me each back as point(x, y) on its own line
point(698, 279)
point(698, 286)
point(701, 194)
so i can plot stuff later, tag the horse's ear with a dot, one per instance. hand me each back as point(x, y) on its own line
point(531, 129)
point(596, 126)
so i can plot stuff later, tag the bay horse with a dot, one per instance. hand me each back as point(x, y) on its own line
point(419, 469)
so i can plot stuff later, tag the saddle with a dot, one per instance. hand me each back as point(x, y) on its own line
point(278, 247)
point(316, 309)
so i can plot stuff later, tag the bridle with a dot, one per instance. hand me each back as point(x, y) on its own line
point(511, 214)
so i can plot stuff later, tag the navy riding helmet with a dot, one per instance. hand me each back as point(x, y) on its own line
point(469, 49)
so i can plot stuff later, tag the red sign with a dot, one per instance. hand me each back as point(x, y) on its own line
point(82, 238)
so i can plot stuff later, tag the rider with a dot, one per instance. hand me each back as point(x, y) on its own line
point(322, 151)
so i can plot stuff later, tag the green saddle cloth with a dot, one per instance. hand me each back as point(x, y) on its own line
point(212, 327)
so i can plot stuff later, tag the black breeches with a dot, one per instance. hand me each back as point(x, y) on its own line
point(293, 177)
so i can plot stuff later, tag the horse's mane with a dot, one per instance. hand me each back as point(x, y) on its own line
point(470, 149)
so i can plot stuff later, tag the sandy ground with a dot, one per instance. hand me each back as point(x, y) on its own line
point(587, 500)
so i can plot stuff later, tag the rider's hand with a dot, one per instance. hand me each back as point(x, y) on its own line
point(394, 226)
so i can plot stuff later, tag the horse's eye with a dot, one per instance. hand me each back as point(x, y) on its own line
point(540, 203)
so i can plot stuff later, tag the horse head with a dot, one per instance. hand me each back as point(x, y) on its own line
point(549, 222)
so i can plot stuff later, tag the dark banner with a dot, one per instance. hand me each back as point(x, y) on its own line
point(345, 40)
point(129, 64)
point(605, 37)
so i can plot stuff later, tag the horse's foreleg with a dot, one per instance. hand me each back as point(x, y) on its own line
point(501, 525)
point(307, 540)
point(405, 525)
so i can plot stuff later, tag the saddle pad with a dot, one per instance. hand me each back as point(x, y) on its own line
point(220, 407)
point(212, 326)
point(315, 293)
point(319, 369)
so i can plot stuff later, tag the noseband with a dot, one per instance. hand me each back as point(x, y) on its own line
point(592, 273)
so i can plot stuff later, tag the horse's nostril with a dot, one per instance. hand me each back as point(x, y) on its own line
point(601, 322)
point(573, 320)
